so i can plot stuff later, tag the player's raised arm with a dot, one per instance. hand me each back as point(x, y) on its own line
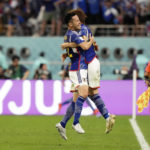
point(83, 45)
point(87, 45)
point(67, 45)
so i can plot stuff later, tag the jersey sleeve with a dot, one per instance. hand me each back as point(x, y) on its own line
point(77, 39)
point(84, 32)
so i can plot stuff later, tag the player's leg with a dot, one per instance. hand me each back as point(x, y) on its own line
point(64, 103)
point(88, 101)
point(61, 126)
point(70, 111)
point(83, 93)
point(94, 84)
point(110, 119)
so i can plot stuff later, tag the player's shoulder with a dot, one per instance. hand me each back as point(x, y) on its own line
point(70, 32)
point(84, 27)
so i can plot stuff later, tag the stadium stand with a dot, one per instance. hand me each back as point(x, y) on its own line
point(51, 46)
point(23, 20)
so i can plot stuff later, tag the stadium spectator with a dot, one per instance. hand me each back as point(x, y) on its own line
point(82, 4)
point(43, 73)
point(39, 60)
point(60, 10)
point(1, 17)
point(2, 73)
point(15, 20)
point(109, 13)
point(143, 10)
point(49, 15)
point(130, 16)
point(134, 66)
point(93, 11)
point(127, 73)
point(24, 17)
point(16, 70)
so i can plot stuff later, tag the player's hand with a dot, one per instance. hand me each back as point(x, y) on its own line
point(91, 38)
point(63, 57)
point(64, 46)
point(96, 48)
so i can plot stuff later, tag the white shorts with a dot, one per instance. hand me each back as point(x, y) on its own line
point(78, 78)
point(94, 73)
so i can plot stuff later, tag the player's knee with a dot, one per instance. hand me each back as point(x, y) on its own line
point(83, 91)
point(93, 91)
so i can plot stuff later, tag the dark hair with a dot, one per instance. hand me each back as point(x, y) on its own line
point(42, 54)
point(80, 13)
point(41, 65)
point(140, 51)
point(68, 17)
point(15, 57)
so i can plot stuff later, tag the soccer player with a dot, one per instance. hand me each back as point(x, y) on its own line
point(64, 73)
point(93, 72)
point(77, 73)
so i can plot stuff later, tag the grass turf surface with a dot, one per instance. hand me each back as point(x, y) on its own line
point(39, 133)
point(144, 124)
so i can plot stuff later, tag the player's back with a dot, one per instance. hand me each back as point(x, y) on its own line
point(90, 53)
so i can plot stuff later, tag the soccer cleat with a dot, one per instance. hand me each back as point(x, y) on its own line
point(78, 128)
point(110, 123)
point(59, 107)
point(61, 130)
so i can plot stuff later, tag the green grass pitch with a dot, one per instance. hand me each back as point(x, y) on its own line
point(39, 133)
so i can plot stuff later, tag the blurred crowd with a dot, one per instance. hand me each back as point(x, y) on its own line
point(30, 17)
point(17, 71)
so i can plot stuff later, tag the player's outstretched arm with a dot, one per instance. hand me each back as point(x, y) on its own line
point(67, 45)
point(87, 45)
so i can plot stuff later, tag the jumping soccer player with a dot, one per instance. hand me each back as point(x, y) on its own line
point(77, 73)
point(93, 72)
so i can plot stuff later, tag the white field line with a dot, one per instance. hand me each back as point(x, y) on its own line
point(144, 145)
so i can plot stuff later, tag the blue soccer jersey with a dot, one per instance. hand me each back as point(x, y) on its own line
point(90, 53)
point(75, 54)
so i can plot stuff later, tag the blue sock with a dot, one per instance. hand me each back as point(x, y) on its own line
point(78, 109)
point(100, 105)
point(67, 101)
point(68, 115)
